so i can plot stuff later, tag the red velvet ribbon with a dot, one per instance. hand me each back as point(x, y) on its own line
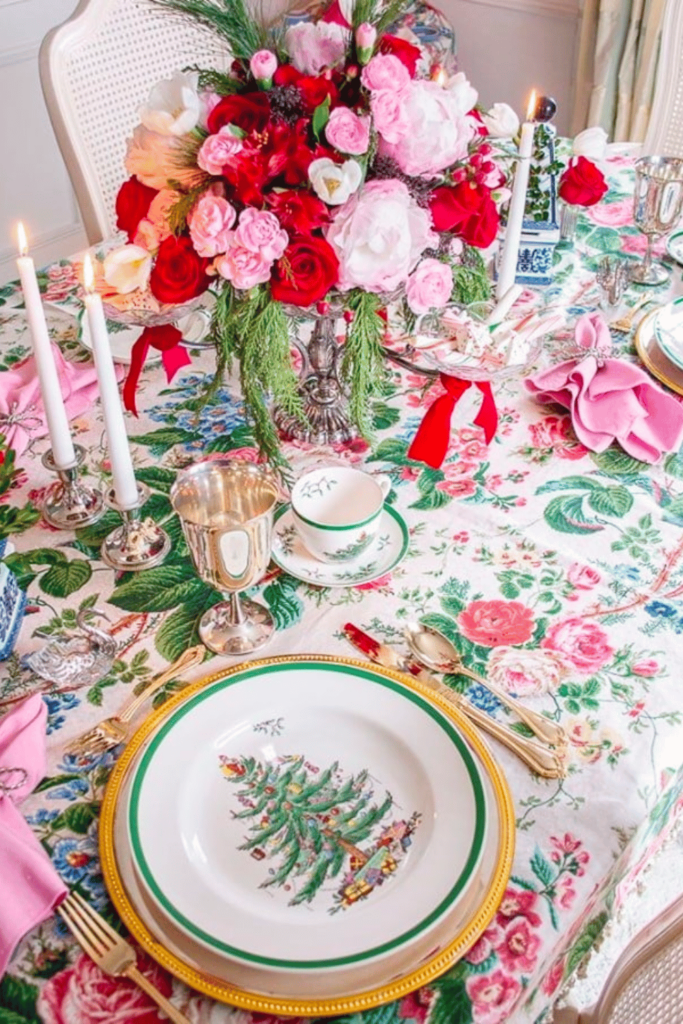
point(166, 339)
point(430, 443)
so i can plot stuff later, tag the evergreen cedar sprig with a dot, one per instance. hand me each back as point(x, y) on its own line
point(363, 366)
point(229, 19)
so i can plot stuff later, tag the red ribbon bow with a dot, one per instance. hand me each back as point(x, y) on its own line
point(430, 443)
point(166, 339)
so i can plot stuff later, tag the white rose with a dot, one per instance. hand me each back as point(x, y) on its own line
point(173, 107)
point(502, 121)
point(332, 182)
point(591, 143)
point(128, 268)
point(463, 95)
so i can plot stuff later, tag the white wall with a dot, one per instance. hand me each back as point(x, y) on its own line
point(507, 47)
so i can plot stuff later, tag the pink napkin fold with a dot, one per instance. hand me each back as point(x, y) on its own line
point(30, 888)
point(22, 414)
point(609, 399)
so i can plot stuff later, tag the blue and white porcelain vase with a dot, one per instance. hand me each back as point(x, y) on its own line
point(12, 604)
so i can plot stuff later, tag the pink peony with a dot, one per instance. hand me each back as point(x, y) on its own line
point(582, 576)
point(386, 72)
point(438, 133)
point(154, 159)
point(493, 996)
point(429, 286)
point(524, 672)
point(85, 994)
point(218, 150)
point(348, 132)
point(313, 46)
point(243, 267)
point(379, 236)
point(583, 644)
point(263, 65)
point(496, 623)
point(210, 223)
point(389, 114)
point(260, 231)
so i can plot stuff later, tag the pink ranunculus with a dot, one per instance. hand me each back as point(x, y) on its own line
point(218, 150)
point(85, 994)
point(379, 236)
point(582, 576)
point(429, 286)
point(556, 432)
point(348, 132)
point(263, 65)
point(210, 223)
point(154, 159)
point(583, 644)
point(523, 672)
point(313, 46)
point(646, 667)
point(518, 950)
point(260, 231)
point(612, 215)
point(244, 268)
point(385, 71)
point(496, 623)
point(438, 133)
point(389, 114)
point(493, 996)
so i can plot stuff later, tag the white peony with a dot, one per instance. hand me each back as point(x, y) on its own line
point(173, 107)
point(128, 268)
point(501, 121)
point(463, 95)
point(591, 143)
point(332, 182)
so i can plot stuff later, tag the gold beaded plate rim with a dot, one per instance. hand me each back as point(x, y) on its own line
point(658, 364)
point(222, 991)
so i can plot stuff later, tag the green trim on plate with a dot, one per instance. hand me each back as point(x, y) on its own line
point(223, 947)
point(331, 527)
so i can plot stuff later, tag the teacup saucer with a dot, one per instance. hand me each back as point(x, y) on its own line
point(385, 554)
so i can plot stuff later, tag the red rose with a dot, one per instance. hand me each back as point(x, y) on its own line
point(405, 51)
point(496, 623)
point(249, 111)
point(582, 184)
point(315, 89)
point(132, 204)
point(299, 212)
point(306, 272)
point(467, 210)
point(179, 273)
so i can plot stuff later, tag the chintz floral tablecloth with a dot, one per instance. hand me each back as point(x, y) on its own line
point(559, 571)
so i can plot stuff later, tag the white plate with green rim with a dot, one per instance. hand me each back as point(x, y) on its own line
point(307, 817)
point(668, 330)
point(674, 246)
point(387, 550)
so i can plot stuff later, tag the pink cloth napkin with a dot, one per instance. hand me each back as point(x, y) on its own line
point(609, 399)
point(22, 414)
point(30, 888)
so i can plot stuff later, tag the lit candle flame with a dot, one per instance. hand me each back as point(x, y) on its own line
point(88, 274)
point(21, 238)
point(441, 78)
point(532, 106)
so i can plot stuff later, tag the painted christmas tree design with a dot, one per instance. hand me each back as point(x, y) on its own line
point(316, 825)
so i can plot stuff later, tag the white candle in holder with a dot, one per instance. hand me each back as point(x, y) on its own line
point(513, 231)
point(125, 484)
point(50, 388)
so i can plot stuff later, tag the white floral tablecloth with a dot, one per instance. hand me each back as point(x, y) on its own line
point(561, 570)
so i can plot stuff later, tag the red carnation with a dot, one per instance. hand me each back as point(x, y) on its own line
point(179, 273)
point(405, 51)
point(582, 184)
point(306, 272)
point(132, 204)
point(299, 212)
point(250, 111)
point(467, 210)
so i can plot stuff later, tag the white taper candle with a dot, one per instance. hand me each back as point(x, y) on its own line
point(513, 231)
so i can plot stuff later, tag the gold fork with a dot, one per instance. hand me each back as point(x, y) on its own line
point(109, 950)
point(114, 730)
point(625, 323)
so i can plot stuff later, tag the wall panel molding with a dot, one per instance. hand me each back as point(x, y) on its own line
point(548, 8)
point(18, 54)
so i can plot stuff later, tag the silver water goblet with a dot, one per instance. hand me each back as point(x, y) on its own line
point(657, 205)
point(226, 511)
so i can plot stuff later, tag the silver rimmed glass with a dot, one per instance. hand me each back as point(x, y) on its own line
point(226, 511)
point(657, 205)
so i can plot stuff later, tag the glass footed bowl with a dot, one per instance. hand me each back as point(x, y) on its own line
point(193, 318)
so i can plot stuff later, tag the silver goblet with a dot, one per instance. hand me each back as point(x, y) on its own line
point(657, 205)
point(226, 511)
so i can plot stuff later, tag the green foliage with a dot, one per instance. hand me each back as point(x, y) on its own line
point(18, 1001)
point(471, 281)
point(229, 19)
point(216, 81)
point(179, 212)
point(585, 942)
point(13, 520)
point(62, 578)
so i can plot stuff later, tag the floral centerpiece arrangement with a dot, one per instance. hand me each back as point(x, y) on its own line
point(324, 165)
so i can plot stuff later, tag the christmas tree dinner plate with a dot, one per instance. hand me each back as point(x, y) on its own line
point(345, 990)
point(307, 817)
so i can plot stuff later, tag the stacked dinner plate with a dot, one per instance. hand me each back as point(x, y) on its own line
point(306, 835)
point(659, 341)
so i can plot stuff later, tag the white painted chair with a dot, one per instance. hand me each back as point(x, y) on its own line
point(96, 70)
point(665, 127)
point(645, 986)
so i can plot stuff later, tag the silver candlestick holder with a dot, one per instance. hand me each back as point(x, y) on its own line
point(68, 504)
point(138, 543)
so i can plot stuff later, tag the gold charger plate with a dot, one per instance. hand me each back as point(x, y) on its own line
point(652, 357)
point(221, 990)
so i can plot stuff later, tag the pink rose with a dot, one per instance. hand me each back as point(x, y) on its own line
point(496, 623)
point(429, 286)
point(518, 950)
point(458, 479)
point(385, 71)
point(210, 223)
point(556, 433)
point(218, 150)
point(583, 644)
point(243, 267)
point(389, 114)
point(582, 576)
point(263, 65)
point(379, 236)
point(493, 996)
point(348, 132)
point(612, 215)
point(647, 668)
point(260, 231)
point(85, 994)
point(438, 135)
point(524, 672)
